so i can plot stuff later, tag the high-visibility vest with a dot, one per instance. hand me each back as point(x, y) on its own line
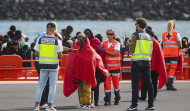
point(170, 45)
point(48, 53)
point(143, 48)
point(111, 62)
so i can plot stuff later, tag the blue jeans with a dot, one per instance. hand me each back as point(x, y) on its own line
point(135, 74)
point(44, 74)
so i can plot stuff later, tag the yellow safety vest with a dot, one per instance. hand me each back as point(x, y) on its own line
point(144, 46)
point(48, 50)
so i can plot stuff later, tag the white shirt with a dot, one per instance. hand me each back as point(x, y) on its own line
point(37, 46)
point(178, 37)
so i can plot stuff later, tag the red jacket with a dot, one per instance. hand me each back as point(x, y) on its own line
point(82, 66)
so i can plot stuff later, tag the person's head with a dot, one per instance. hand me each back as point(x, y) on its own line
point(170, 26)
point(77, 35)
point(173, 23)
point(148, 30)
point(5, 39)
point(117, 39)
point(15, 45)
point(12, 28)
point(82, 39)
point(99, 36)
point(88, 33)
point(32, 45)
point(55, 24)
point(141, 23)
point(69, 29)
point(50, 28)
point(18, 35)
point(9, 44)
point(111, 34)
point(24, 46)
point(11, 34)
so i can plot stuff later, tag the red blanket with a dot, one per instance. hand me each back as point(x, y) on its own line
point(179, 70)
point(158, 63)
point(95, 43)
point(82, 66)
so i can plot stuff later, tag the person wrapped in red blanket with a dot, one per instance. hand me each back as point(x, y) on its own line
point(80, 71)
point(157, 69)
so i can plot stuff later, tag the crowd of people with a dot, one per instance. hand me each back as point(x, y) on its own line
point(150, 60)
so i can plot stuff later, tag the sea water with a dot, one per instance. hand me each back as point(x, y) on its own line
point(123, 28)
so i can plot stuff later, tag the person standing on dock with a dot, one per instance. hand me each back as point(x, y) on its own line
point(112, 62)
point(141, 46)
point(172, 52)
point(49, 50)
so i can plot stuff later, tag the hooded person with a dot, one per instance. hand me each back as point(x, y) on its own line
point(94, 42)
point(76, 75)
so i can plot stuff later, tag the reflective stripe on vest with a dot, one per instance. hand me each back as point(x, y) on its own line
point(166, 42)
point(48, 50)
point(112, 58)
point(143, 49)
point(113, 65)
point(171, 46)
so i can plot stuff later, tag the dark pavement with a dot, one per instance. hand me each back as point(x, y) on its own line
point(19, 96)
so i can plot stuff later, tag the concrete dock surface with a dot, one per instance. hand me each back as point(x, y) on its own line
point(19, 96)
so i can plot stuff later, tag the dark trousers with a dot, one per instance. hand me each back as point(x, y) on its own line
point(154, 76)
point(96, 92)
point(135, 74)
point(45, 93)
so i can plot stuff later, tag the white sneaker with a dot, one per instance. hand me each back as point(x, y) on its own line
point(80, 106)
point(36, 108)
point(86, 107)
point(44, 106)
point(50, 109)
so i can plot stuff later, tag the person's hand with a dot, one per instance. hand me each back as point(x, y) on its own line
point(102, 48)
point(74, 50)
point(99, 49)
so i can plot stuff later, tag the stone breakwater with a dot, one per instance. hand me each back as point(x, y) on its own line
point(94, 9)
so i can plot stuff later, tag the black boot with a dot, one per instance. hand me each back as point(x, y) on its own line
point(169, 84)
point(117, 97)
point(107, 99)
